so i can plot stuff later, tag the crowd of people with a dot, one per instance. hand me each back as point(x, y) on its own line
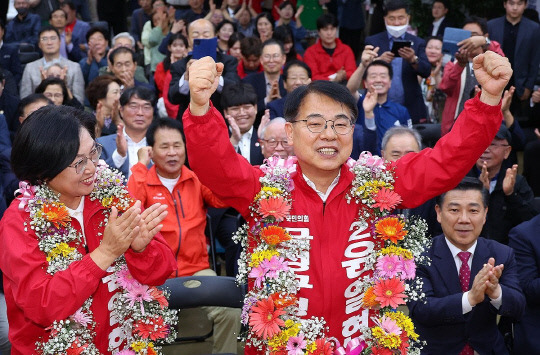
point(314, 82)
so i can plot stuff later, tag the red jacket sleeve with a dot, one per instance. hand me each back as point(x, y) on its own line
point(424, 175)
point(451, 77)
point(216, 163)
point(153, 265)
point(42, 297)
point(311, 60)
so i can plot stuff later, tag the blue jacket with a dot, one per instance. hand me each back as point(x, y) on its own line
point(527, 52)
point(25, 31)
point(441, 322)
point(414, 100)
point(9, 60)
point(525, 241)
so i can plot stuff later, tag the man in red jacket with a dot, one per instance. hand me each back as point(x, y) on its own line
point(329, 58)
point(171, 183)
point(338, 247)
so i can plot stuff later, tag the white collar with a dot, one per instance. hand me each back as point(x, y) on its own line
point(455, 250)
point(323, 195)
point(438, 22)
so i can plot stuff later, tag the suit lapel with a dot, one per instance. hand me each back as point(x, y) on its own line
point(445, 265)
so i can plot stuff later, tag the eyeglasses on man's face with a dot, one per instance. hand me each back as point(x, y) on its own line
point(340, 126)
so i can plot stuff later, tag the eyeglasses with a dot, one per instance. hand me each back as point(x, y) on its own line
point(135, 107)
point(46, 39)
point(95, 153)
point(340, 126)
point(272, 143)
point(275, 56)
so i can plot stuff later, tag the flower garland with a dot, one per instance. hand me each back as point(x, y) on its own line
point(270, 307)
point(141, 310)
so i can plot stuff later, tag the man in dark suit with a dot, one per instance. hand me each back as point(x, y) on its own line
point(519, 38)
point(179, 88)
point(268, 84)
point(239, 102)
point(470, 279)
point(120, 150)
point(295, 74)
point(524, 240)
point(408, 65)
point(9, 56)
point(439, 9)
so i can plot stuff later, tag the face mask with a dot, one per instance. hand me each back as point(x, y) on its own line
point(397, 31)
point(22, 11)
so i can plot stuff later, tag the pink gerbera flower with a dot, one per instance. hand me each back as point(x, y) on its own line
point(386, 199)
point(81, 318)
point(389, 325)
point(139, 294)
point(126, 352)
point(124, 278)
point(389, 266)
point(274, 265)
point(409, 269)
point(264, 318)
point(295, 345)
point(257, 273)
point(276, 207)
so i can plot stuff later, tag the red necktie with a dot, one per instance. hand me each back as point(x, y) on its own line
point(464, 278)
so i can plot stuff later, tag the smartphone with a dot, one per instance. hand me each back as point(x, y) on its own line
point(204, 47)
point(400, 44)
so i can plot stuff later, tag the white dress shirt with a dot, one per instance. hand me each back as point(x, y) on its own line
point(133, 148)
point(465, 305)
point(323, 195)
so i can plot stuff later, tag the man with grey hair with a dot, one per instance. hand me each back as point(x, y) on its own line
point(398, 141)
point(124, 39)
point(273, 139)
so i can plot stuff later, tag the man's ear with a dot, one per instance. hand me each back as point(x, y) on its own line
point(289, 132)
point(438, 210)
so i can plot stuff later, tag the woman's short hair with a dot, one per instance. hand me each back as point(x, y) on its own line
point(99, 87)
point(40, 89)
point(48, 141)
point(235, 37)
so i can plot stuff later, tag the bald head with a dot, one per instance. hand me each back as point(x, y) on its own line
point(200, 29)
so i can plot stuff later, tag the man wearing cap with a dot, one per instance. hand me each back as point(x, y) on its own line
point(511, 198)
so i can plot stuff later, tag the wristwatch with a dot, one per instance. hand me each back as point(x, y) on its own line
point(488, 42)
point(415, 60)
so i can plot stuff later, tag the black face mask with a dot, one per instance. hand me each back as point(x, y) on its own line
point(22, 11)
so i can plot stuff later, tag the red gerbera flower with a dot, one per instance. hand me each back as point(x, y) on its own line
point(276, 207)
point(274, 235)
point(159, 297)
point(56, 214)
point(389, 292)
point(152, 328)
point(380, 351)
point(265, 318)
point(404, 344)
point(323, 347)
point(386, 199)
point(390, 228)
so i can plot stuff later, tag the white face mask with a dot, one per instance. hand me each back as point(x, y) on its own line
point(397, 31)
